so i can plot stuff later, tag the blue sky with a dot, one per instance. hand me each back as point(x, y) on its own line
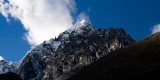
point(137, 17)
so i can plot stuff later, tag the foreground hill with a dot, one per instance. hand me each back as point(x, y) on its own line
point(140, 61)
point(10, 76)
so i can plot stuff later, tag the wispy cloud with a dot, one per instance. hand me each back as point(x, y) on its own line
point(43, 19)
point(156, 28)
point(83, 16)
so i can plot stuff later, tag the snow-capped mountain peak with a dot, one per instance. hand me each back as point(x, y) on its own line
point(80, 27)
point(61, 57)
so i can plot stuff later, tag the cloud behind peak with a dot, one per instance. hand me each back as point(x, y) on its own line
point(42, 19)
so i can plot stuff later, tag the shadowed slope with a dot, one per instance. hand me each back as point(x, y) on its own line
point(10, 76)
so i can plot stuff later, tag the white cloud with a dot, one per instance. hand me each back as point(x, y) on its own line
point(83, 16)
point(43, 19)
point(156, 28)
point(1, 58)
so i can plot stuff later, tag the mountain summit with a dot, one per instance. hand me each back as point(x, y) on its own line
point(79, 46)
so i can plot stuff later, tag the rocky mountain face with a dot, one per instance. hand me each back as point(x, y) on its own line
point(139, 61)
point(79, 46)
point(6, 66)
